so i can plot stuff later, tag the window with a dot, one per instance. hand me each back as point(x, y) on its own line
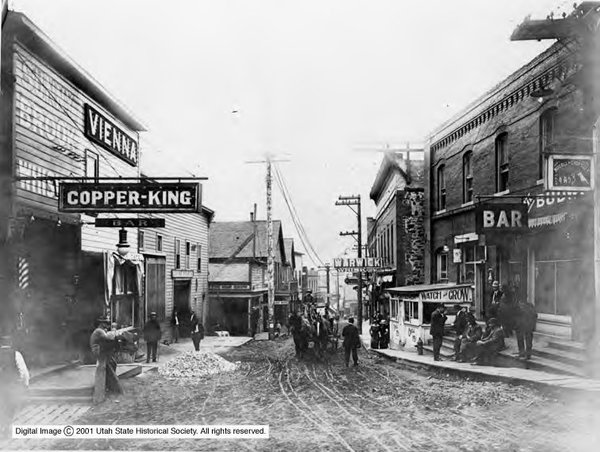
point(141, 240)
point(442, 266)
point(502, 162)
point(441, 183)
point(467, 177)
point(199, 258)
point(159, 242)
point(188, 252)
point(547, 128)
point(92, 168)
point(177, 253)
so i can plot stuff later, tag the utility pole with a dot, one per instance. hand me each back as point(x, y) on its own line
point(355, 201)
point(327, 302)
point(270, 254)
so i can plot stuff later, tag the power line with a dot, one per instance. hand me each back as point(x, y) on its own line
point(296, 218)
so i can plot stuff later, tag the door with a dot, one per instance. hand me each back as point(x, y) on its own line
point(181, 302)
point(155, 287)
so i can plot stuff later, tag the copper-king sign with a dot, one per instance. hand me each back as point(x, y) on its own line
point(123, 197)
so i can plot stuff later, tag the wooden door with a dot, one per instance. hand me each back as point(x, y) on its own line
point(155, 286)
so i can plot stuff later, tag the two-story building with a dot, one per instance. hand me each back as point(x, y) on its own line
point(238, 274)
point(57, 122)
point(396, 234)
point(506, 185)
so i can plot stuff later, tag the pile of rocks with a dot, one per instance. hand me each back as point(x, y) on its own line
point(195, 364)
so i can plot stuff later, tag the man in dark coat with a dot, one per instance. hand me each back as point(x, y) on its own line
point(197, 330)
point(374, 332)
point(175, 326)
point(103, 346)
point(152, 335)
point(438, 319)
point(351, 342)
point(491, 343)
point(460, 321)
point(525, 321)
point(471, 335)
point(497, 295)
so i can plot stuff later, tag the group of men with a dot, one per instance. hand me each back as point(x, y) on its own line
point(380, 332)
point(473, 343)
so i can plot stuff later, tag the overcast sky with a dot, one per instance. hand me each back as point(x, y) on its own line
point(325, 84)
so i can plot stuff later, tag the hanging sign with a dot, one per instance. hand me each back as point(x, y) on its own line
point(129, 198)
point(570, 172)
point(130, 222)
point(103, 132)
point(357, 264)
point(505, 217)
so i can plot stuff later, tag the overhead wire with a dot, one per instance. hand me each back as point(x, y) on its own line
point(314, 256)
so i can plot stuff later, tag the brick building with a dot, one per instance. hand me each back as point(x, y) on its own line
point(396, 233)
point(490, 213)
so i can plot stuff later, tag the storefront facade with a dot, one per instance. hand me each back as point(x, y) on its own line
point(506, 189)
point(56, 123)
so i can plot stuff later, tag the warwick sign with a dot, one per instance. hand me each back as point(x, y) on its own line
point(357, 264)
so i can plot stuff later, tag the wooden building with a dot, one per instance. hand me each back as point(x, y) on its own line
point(57, 121)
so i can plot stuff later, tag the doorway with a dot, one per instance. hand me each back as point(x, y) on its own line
point(181, 302)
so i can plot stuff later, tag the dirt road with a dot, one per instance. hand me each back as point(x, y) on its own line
point(376, 406)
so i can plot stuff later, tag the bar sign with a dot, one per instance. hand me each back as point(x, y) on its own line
point(130, 222)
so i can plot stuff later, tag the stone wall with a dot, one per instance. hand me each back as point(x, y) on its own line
point(411, 237)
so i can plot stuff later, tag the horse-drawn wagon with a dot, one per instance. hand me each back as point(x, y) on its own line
point(313, 334)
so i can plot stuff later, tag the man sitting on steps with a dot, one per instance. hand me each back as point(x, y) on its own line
point(490, 344)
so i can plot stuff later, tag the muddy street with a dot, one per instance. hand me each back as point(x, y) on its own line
point(377, 406)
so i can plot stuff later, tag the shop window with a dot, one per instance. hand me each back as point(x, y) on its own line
point(188, 252)
point(177, 253)
point(199, 258)
point(467, 177)
point(92, 167)
point(442, 266)
point(547, 129)
point(441, 188)
point(141, 240)
point(559, 285)
point(469, 264)
point(159, 242)
point(502, 162)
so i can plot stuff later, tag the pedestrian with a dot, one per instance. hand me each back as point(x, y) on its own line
point(277, 330)
point(496, 298)
point(490, 344)
point(152, 335)
point(175, 326)
point(460, 321)
point(525, 321)
point(351, 342)
point(507, 311)
point(14, 381)
point(103, 347)
point(438, 319)
point(384, 334)
point(471, 335)
point(197, 330)
point(374, 332)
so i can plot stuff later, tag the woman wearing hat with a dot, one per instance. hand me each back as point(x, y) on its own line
point(152, 335)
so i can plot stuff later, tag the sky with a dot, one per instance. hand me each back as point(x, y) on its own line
point(325, 85)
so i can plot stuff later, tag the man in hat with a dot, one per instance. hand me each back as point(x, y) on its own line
point(351, 342)
point(438, 319)
point(469, 338)
point(152, 335)
point(491, 343)
point(14, 381)
point(197, 330)
point(103, 347)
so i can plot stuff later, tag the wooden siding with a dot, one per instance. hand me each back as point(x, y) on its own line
point(191, 227)
point(49, 141)
point(233, 272)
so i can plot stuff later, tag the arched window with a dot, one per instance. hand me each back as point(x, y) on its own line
point(502, 162)
point(441, 188)
point(467, 177)
point(547, 129)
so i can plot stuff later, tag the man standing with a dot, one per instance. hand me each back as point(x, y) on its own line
point(497, 296)
point(14, 381)
point(525, 326)
point(152, 335)
point(175, 326)
point(103, 347)
point(438, 319)
point(197, 330)
point(351, 342)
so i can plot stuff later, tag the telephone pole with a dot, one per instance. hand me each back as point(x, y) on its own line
point(351, 201)
point(270, 254)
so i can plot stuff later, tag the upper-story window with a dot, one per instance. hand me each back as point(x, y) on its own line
point(442, 266)
point(441, 188)
point(502, 162)
point(159, 242)
point(199, 258)
point(141, 243)
point(467, 177)
point(188, 253)
point(177, 253)
point(92, 167)
point(547, 129)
